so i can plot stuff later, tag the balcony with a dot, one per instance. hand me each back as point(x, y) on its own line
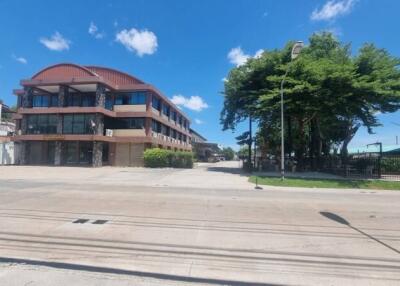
point(130, 108)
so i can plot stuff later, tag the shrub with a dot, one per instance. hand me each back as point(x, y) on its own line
point(161, 158)
point(156, 158)
point(390, 165)
point(182, 160)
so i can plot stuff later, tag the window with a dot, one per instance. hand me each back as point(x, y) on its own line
point(165, 130)
point(138, 98)
point(165, 109)
point(180, 120)
point(156, 126)
point(174, 133)
point(54, 100)
point(78, 124)
point(78, 152)
point(126, 123)
point(88, 100)
point(80, 99)
point(134, 98)
point(109, 102)
point(44, 100)
point(174, 116)
point(156, 103)
point(42, 124)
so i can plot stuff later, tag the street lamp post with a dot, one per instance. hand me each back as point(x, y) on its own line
point(296, 49)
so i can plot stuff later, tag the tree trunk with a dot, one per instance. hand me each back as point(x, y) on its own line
point(350, 132)
point(301, 145)
point(289, 137)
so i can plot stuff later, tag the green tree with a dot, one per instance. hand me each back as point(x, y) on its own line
point(243, 151)
point(328, 95)
point(228, 153)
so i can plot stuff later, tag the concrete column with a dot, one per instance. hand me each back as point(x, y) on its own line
point(148, 101)
point(59, 123)
point(24, 153)
point(24, 124)
point(100, 96)
point(62, 93)
point(99, 122)
point(27, 98)
point(58, 153)
point(97, 159)
point(147, 126)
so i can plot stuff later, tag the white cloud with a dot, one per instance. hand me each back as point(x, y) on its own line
point(195, 102)
point(332, 9)
point(224, 79)
point(142, 42)
point(56, 42)
point(21, 60)
point(94, 31)
point(258, 53)
point(198, 121)
point(237, 57)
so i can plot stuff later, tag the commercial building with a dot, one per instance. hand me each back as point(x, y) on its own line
point(87, 115)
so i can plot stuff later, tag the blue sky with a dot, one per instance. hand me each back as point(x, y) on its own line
point(184, 48)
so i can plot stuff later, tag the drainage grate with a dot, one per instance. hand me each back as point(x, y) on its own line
point(100, 221)
point(80, 220)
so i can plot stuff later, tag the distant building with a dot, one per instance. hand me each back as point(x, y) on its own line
point(7, 128)
point(88, 115)
point(203, 150)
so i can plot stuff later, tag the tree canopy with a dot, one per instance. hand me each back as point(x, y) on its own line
point(328, 95)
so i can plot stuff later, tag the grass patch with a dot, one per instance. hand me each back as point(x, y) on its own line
point(327, 183)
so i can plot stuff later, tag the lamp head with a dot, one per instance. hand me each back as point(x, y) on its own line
point(296, 49)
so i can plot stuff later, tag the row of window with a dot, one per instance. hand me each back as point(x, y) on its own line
point(125, 123)
point(45, 100)
point(88, 99)
point(72, 124)
point(158, 127)
point(129, 98)
point(85, 124)
point(166, 110)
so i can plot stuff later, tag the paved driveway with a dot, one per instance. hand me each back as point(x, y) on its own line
point(206, 226)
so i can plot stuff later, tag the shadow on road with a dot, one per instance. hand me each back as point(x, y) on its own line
point(341, 220)
point(229, 170)
point(81, 267)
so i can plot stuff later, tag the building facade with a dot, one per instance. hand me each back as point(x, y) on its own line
point(87, 115)
point(204, 151)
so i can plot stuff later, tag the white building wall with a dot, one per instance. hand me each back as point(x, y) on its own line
point(7, 151)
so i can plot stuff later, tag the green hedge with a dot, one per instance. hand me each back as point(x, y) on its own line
point(390, 165)
point(161, 158)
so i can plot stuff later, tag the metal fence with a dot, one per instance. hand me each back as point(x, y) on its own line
point(373, 165)
point(363, 166)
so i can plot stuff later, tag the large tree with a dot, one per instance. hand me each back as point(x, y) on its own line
point(328, 95)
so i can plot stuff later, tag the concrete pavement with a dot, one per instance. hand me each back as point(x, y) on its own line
point(206, 226)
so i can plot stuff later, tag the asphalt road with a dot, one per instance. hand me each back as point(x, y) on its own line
point(206, 226)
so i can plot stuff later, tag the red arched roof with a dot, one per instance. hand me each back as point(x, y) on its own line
point(65, 71)
point(115, 76)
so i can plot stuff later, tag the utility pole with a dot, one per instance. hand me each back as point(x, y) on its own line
point(250, 144)
point(296, 49)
